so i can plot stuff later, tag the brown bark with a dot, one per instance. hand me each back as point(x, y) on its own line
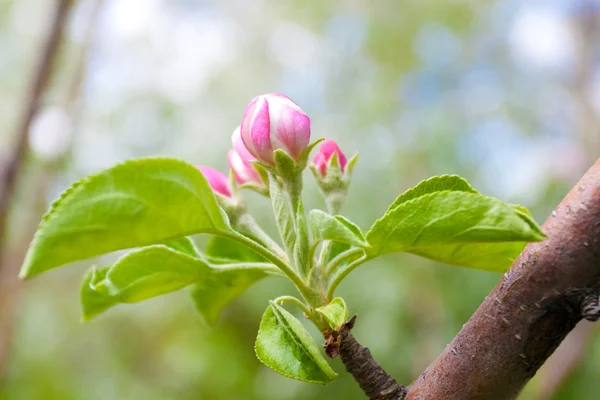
point(535, 305)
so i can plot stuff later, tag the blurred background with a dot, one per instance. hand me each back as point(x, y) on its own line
point(504, 93)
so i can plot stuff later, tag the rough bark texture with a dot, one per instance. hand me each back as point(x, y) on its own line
point(359, 362)
point(548, 290)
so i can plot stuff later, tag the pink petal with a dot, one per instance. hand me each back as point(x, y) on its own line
point(218, 181)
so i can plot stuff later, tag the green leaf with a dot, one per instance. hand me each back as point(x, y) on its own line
point(284, 345)
point(152, 271)
point(283, 216)
point(224, 284)
point(335, 313)
point(93, 302)
point(455, 227)
point(431, 185)
point(337, 229)
point(184, 245)
point(228, 249)
point(221, 287)
point(137, 203)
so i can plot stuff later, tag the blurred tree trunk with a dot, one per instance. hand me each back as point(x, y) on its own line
point(39, 178)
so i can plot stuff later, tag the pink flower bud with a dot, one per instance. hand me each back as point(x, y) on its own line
point(217, 180)
point(239, 161)
point(326, 150)
point(272, 122)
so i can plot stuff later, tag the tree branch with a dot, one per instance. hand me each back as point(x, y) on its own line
point(548, 290)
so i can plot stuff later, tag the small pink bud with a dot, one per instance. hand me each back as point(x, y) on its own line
point(239, 161)
point(272, 122)
point(326, 150)
point(217, 180)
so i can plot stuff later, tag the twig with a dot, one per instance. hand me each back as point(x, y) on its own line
point(371, 377)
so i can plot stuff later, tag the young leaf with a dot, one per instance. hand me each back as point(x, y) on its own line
point(137, 203)
point(152, 271)
point(283, 216)
point(352, 227)
point(455, 227)
point(224, 248)
point(284, 345)
point(93, 302)
point(337, 229)
point(431, 185)
point(335, 313)
point(222, 286)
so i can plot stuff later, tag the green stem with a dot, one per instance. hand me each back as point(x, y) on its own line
point(335, 201)
point(248, 223)
point(294, 189)
point(267, 267)
point(337, 279)
point(312, 297)
point(340, 258)
point(299, 303)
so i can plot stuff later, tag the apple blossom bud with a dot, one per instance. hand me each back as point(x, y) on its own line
point(326, 150)
point(272, 122)
point(240, 162)
point(217, 180)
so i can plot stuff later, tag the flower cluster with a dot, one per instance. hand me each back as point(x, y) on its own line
point(272, 122)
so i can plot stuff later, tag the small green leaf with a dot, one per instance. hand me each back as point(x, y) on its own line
point(283, 216)
point(335, 313)
point(455, 227)
point(152, 271)
point(284, 345)
point(224, 248)
point(92, 302)
point(431, 185)
point(352, 227)
point(221, 287)
point(337, 229)
point(137, 203)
